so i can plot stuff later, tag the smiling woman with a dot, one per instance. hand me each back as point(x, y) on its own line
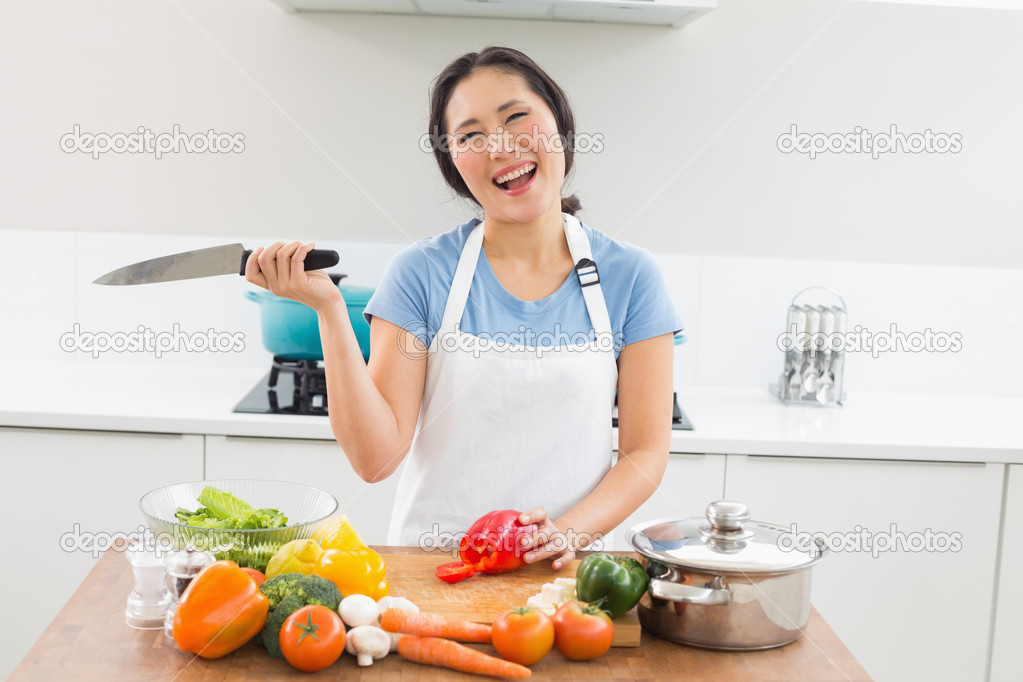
point(531, 113)
point(498, 347)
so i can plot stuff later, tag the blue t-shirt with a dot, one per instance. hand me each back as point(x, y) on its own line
point(414, 290)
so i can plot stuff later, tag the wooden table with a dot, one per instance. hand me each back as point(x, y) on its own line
point(88, 640)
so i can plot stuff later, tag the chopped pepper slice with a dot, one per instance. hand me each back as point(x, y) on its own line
point(455, 572)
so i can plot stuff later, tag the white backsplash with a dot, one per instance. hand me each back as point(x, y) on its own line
point(743, 304)
point(733, 310)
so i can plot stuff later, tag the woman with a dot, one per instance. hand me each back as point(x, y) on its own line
point(485, 423)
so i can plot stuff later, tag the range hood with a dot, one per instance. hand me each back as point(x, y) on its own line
point(653, 12)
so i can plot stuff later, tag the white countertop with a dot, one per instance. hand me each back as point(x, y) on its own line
point(747, 421)
point(200, 400)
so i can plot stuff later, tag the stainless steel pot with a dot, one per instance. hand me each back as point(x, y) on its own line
point(724, 582)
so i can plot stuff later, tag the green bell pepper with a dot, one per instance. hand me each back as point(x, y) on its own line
point(613, 583)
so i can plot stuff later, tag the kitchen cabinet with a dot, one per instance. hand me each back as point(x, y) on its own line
point(1006, 663)
point(56, 481)
point(653, 12)
point(690, 482)
point(318, 463)
point(918, 612)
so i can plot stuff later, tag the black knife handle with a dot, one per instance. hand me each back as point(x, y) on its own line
point(317, 259)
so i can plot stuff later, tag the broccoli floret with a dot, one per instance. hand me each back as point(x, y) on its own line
point(311, 588)
point(275, 620)
point(288, 593)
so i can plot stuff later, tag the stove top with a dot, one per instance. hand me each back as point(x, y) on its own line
point(291, 387)
point(300, 387)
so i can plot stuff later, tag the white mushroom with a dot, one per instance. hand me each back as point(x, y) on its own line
point(367, 643)
point(402, 603)
point(390, 602)
point(358, 609)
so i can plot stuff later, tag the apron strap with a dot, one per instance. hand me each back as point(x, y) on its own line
point(585, 270)
point(459, 292)
point(589, 277)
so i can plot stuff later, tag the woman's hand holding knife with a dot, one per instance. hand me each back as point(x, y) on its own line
point(280, 269)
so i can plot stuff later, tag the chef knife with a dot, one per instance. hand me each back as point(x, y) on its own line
point(219, 260)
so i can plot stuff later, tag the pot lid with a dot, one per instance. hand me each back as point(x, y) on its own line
point(726, 540)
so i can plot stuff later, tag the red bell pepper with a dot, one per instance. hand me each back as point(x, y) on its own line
point(494, 543)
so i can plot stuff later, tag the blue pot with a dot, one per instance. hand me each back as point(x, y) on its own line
point(290, 329)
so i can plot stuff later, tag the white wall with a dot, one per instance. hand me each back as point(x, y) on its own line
point(733, 308)
point(332, 107)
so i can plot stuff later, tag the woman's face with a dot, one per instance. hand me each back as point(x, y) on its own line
point(498, 128)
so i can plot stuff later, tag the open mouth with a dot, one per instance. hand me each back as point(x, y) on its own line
point(517, 178)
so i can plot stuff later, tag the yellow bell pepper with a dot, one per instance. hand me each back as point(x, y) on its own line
point(359, 570)
point(297, 556)
point(337, 533)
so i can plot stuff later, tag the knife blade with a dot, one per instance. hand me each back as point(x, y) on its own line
point(228, 259)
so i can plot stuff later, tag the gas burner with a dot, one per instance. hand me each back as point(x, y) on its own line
point(309, 386)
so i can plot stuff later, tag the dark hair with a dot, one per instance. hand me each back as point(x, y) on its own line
point(509, 61)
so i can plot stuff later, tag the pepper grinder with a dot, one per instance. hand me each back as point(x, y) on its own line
point(181, 567)
point(147, 604)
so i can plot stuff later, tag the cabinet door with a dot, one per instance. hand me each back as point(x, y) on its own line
point(60, 490)
point(318, 463)
point(1006, 663)
point(922, 609)
point(689, 484)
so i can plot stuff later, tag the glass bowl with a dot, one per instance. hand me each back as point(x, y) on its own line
point(304, 506)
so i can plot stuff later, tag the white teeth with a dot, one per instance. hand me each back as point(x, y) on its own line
point(515, 173)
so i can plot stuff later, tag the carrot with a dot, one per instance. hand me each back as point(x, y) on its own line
point(432, 625)
point(448, 654)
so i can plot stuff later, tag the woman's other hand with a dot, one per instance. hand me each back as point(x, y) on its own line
point(280, 268)
point(547, 542)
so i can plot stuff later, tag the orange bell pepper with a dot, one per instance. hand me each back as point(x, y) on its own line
point(220, 610)
point(358, 570)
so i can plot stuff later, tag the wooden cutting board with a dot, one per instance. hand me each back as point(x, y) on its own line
point(481, 598)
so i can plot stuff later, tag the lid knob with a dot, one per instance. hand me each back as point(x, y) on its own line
point(727, 516)
point(727, 533)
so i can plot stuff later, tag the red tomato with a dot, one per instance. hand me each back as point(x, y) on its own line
point(582, 631)
point(523, 635)
point(256, 575)
point(312, 638)
point(455, 571)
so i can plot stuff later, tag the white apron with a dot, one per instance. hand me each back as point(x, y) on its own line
point(504, 426)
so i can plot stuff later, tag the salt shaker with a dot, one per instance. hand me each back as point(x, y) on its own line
point(181, 567)
point(147, 604)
